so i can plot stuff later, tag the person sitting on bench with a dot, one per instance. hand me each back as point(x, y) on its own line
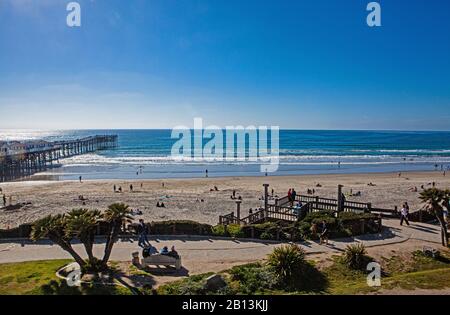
point(164, 251)
point(173, 253)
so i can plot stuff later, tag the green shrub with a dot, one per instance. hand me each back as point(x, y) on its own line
point(287, 262)
point(355, 256)
point(318, 216)
point(235, 230)
point(267, 230)
point(304, 229)
point(344, 216)
point(267, 236)
point(219, 230)
point(193, 285)
point(180, 227)
point(253, 278)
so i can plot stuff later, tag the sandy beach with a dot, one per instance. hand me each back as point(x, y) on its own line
point(183, 197)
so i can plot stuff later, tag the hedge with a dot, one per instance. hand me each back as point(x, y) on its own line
point(175, 227)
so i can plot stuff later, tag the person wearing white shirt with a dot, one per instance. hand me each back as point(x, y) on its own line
point(404, 215)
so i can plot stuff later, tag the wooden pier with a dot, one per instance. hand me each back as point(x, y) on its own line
point(28, 162)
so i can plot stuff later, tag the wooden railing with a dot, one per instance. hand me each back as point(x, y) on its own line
point(282, 210)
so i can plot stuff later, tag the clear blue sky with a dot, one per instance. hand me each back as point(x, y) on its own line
point(160, 63)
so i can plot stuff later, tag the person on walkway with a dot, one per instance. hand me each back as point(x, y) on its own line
point(324, 234)
point(404, 214)
point(293, 195)
point(143, 231)
point(290, 195)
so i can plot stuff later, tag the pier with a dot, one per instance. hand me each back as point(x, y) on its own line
point(28, 158)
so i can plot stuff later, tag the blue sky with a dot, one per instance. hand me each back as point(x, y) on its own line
point(160, 63)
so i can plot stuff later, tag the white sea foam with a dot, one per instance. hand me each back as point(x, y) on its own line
point(98, 160)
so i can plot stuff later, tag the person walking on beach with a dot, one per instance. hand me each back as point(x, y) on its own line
point(131, 187)
point(4, 200)
point(206, 173)
point(80, 178)
point(404, 214)
point(143, 231)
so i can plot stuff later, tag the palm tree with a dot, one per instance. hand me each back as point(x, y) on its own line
point(54, 227)
point(116, 215)
point(435, 200)
point(82, 223)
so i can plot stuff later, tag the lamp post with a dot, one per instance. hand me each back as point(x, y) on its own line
point(238, 210)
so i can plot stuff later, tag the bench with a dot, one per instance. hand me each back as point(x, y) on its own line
point(161, 260)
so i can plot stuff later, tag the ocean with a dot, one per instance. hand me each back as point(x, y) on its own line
point(145, 154)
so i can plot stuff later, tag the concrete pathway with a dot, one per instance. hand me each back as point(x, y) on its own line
point(201, 254)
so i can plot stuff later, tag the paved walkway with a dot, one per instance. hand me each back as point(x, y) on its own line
point(201, 254)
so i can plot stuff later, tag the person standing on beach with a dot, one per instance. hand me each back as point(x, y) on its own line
point(404, 214)
point(131, 187)
point(206, 173)
point(80, 178)
point(114, 188)
point(4, 200)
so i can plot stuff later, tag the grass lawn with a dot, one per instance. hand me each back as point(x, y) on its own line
point(38, 277)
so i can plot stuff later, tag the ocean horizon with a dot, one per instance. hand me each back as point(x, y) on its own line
point(145, 154)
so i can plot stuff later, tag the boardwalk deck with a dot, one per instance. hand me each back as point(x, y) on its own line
point(283, 211)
